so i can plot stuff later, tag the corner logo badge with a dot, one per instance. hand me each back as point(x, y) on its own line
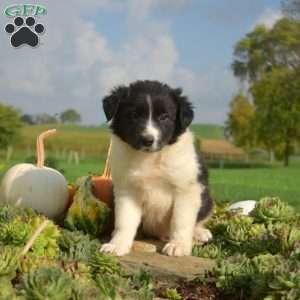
point(23, 28)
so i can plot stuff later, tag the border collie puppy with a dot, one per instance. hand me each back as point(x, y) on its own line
point(159, 179)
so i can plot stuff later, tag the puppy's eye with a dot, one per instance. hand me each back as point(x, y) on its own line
point(163, 117)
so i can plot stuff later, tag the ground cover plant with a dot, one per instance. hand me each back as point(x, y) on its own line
point(257, 257)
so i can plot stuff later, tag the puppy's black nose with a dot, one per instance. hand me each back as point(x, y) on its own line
point(147, 140)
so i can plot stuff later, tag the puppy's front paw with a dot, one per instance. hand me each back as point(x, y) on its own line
point(114, 248)
point(202, 235)
point(174, 248)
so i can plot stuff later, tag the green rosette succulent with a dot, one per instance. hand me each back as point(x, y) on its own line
point(47, 283)
point(285, 236)
point(87, 213)
point(15, 232)
point(285, 283)
point(30, 262)
point(46, 243)
point(233, 274)
point(104, 263)
point(75, 245)
point(10, 212)
point(8, 261)
point(85, 291)
point(238, 230)
point(271, 209)
point(212, 251)
point(7, 291)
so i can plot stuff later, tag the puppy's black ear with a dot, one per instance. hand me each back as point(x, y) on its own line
point(111, 102)
point(185, 113)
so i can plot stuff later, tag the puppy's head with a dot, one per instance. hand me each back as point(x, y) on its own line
point(147, 114)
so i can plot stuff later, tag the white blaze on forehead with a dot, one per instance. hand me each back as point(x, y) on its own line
point(150, 128)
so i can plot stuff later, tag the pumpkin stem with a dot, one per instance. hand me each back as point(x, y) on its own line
point(106, 172)
point(34, 237)
point(40, 149)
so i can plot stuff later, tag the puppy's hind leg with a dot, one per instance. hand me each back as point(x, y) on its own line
point(201, 234)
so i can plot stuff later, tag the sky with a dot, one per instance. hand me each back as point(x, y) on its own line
point(91, 46)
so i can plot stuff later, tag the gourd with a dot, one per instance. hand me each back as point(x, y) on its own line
point(36, 186)
point(101, 187)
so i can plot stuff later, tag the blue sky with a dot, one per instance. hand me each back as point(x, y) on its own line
point(91, 46)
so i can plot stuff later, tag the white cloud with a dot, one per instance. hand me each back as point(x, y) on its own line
point(269, 17)
point(76, 64)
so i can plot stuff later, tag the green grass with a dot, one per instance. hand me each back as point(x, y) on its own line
point(242, 184)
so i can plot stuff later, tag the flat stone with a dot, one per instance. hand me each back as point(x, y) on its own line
point(142, 246)
point(163, 267)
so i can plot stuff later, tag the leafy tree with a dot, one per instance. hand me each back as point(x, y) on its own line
point(70, 116)
point(239, 125)
point(277, 110)
point(10, 124)
point(291, 8)
point(28, 119)
point(264, 49)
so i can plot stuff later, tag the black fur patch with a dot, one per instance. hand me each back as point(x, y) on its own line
point(172, 113)
point(207, 203)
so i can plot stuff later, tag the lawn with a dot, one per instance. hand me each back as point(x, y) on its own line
point(242, 184)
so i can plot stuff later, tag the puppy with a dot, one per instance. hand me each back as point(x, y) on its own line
point(159, 179)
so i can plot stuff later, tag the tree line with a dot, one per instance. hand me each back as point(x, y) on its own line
point(11, 120)
point(266, 111)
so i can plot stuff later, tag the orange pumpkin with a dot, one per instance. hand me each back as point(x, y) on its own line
point(102, 185)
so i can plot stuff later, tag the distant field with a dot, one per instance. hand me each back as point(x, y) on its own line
point(208, 131)
point(236, 183)
point(92, 140)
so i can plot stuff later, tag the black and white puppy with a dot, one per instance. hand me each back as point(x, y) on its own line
point(159, 178)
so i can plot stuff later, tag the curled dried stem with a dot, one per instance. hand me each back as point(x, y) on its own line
point(40, 149)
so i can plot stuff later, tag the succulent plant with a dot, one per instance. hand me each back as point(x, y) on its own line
point(77, 246)
point(8, 261)
point(172, 294)
point(31, 262)
point(270, 209)
point(212, 251)
point(47, 283)
point(104, 263)
point(46, 243)
point(7, 291)
point(9, 212)
point(15, 232)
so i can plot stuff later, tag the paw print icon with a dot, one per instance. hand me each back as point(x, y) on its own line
point(24, 32)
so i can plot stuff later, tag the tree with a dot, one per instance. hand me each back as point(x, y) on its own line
point(10, 124)
point(70, 116)
point(240, 122)
point(291, 8)
point(277, 110)
point(264, 49)
point(28, 119)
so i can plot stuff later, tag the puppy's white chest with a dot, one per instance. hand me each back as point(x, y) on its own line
point(155, 194)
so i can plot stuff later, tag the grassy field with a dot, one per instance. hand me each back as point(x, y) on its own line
point(226, 184)
point(254, 183)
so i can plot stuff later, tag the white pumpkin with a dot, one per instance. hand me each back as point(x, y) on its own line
point(245, 206)
point(39, 187)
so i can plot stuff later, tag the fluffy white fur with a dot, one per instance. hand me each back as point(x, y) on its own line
point(159, 189)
